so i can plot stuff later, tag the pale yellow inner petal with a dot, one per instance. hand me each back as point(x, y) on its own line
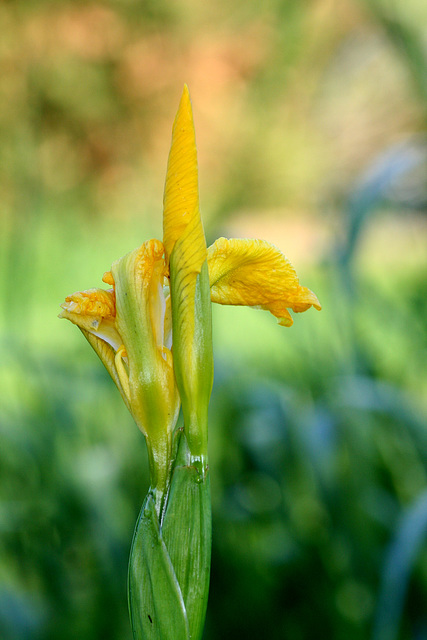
point(256, 273)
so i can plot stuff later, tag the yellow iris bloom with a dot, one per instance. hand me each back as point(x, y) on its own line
point(130, 326)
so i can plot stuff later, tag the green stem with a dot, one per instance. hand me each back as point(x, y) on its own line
point(160, 462)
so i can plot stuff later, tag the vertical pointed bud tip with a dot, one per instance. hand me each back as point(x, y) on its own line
point(181, 196)
point(185, 110)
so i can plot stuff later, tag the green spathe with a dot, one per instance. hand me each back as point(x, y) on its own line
point(187, 533)
point(169, 563)
point(156, 605)
point(193, 356)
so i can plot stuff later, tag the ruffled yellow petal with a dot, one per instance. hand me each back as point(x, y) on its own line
point(94, 311)
point(255, 273)
point(181, 196)
point(95, 303)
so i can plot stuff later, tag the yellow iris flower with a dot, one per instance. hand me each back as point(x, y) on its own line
point(158, 289)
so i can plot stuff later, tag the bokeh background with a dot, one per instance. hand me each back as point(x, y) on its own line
point(311, 125)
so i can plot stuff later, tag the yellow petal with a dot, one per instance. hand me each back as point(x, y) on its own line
point(255, 273)
point(181, 196)
point(93, 311)
point(93, 303)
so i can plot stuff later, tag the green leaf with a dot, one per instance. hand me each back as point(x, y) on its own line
point(156, 605)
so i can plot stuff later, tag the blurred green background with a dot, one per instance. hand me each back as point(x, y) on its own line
point(311, 120)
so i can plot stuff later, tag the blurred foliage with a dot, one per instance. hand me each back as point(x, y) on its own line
point(310, 117)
